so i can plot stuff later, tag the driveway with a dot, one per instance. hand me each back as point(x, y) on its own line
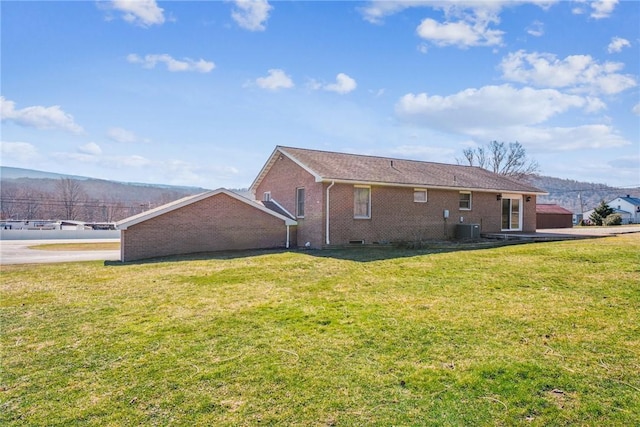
point(592, 231)
point(18, 252)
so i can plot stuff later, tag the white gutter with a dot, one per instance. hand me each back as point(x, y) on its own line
point(433, 187)
point(327, 231)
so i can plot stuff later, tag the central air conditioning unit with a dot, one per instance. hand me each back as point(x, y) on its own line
point(467, 231)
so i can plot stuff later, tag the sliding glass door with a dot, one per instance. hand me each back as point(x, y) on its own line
point(511, 213)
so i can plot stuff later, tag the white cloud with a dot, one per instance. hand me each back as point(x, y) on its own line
point(422, 152)
point(173, 65)
point(602, 8)
point(251, 14)
point(38, 117)
point(19, 151)
point(636, 109)
point(580, 73)
point(467, 22)
point(536, 29)
point(112, 162)
point(143, 13)
point(510, 114)
point(461, 33)
point(180, 172)
point(488, 107)
point(376, 11)
point(90, 148)
point(344, 84)
point(577, 10)
point(277, 79)
point(593, 136)
point(617, 43)
point(129, 161)
point(123, 135)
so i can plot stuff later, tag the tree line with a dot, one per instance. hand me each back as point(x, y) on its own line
point(69, 199)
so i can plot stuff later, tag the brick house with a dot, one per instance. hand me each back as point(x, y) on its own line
point(317, 199)
point(339, 198)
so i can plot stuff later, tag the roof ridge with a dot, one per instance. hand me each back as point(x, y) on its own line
point(373, 156)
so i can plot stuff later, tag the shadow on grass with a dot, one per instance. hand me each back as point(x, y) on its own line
point(358, 253)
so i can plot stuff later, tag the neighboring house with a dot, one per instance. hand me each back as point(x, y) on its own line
point(627, 207)
point(213, 221)
point(318, 199)
point(553, 216)
point(339, 198)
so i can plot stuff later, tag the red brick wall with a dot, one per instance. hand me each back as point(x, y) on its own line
point(529, 220)
point(396, 217)
point(219, 222)
point(284, 177)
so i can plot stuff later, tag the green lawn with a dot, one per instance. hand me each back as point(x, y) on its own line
point(537, 334)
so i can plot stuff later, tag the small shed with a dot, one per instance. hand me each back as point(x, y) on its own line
point(217, 220)
point(553, 216)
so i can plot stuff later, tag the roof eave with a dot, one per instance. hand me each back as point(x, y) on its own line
point(431, 186)
point(279, 151)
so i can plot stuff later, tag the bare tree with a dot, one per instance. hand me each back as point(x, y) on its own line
point(8, 201)
point(509, 160)
point(71, 196)
point(30, 202)
point(113, 210)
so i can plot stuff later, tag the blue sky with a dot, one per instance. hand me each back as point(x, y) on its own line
point(199, 93)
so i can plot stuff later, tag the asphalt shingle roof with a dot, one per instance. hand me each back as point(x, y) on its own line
point(329, 166)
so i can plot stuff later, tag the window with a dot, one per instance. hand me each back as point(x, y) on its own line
point(419, 195)
point(266, 197)
point(300, 202)
point(362, 202)
point(465, 200)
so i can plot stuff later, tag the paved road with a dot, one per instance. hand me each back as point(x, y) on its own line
point(593, 231)
point(18, 252)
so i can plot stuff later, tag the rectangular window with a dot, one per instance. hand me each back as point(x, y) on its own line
point(362, 202)
point(266, 197)
point(300, 202)
point(419, 195)
point(465, 200)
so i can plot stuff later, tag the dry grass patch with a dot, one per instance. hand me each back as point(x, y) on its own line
point(101, 246)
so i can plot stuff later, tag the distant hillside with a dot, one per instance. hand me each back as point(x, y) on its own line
point(11, 173)
point(32, 194)
point(578, 196)
point(7, 172)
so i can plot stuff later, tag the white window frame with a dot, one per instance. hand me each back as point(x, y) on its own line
point(511, 198)
point(368, 214)
point(417, 191)
point(298, 213)
point(460, 201)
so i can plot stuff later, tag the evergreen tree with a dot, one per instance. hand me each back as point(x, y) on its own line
point(600, 213)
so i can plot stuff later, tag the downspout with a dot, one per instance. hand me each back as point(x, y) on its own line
point(287, 245)
point(327, 230)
